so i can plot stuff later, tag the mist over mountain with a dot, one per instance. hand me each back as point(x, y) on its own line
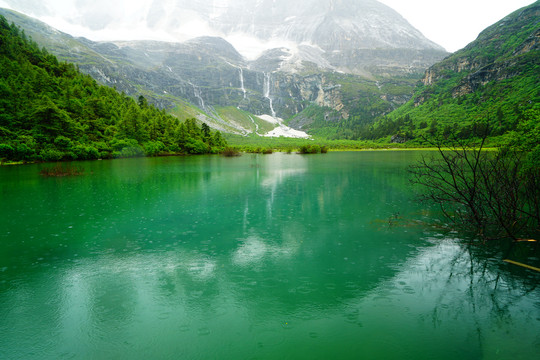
point(339, 60)
point(333, 25)
point(333, 29)
point(493, 81)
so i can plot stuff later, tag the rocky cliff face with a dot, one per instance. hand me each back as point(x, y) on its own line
point(343, 33)
point(209, 73)
point(499, 53)
point(364, 39)
point(493, 81)
point(333, 25)
point(355, 36)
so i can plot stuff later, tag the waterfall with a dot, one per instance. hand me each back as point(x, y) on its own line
point(242, 82)
point(197, 92)
point(242, 85)
point(266, 91)
point(266, 85)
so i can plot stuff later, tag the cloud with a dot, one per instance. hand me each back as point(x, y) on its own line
point(162, 20)
point(454, 24)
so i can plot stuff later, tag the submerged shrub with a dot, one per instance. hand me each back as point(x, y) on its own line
point(59, 171)
point(494, 194)
point(230, 152)
point(311, 149)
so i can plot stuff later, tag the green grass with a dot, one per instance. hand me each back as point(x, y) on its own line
point(256, 144)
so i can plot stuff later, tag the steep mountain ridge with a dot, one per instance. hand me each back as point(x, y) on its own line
point(349, 34)
point(50, 111)
point(494, 78)
point(208, 78)
point(491, 48)
point(335, 28)
point(333, 25)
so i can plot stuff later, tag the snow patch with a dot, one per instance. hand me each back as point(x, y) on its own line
point(282, 129)
point(286, 131)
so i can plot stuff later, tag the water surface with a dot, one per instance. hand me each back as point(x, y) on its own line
point(257, 257)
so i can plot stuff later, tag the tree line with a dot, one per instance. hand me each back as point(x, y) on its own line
point(50, 111)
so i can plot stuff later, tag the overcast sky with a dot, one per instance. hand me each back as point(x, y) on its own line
point(450, 23)
point(454, 23)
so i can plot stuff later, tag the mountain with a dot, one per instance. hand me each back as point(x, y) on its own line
point(338, 29)
point(49, 111)
point(354, 36)
point(348, 63)
point(333, 25)
point(496, 78)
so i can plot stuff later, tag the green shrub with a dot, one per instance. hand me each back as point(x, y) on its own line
point(230, 152)
point(195, 146)
point(86, 152)
point(63, 143)
point(104, 150)
point(23, 152)
point(6, 151)
point(154, 148)
point(51, 155)
point(119, 144)
point(126, 148)
point(130, 152)
point(310, 149)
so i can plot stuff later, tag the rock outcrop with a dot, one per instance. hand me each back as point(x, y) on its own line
point(337, 51)
point(492, 56)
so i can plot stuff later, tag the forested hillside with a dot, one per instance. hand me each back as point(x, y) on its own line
point(494, 81)
point(50, 111)
point(208, 78)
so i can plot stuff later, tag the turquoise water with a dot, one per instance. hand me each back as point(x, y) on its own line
point(256, 257)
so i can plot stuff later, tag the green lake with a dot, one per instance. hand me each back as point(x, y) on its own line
point(280, 256)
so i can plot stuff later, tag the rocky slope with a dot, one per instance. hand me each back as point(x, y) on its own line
point(358, 36)
point(495, 79)
point(338, 30)
point(494, 52)
point(203, 76)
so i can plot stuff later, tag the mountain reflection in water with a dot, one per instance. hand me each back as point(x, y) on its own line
point(260, 256)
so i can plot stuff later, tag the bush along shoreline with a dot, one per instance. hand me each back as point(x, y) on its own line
point(50, 111)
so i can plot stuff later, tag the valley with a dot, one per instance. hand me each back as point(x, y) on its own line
point(353, 71)
point(323, 85)
point(192, 189)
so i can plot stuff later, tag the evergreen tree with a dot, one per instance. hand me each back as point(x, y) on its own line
point(50, 111)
